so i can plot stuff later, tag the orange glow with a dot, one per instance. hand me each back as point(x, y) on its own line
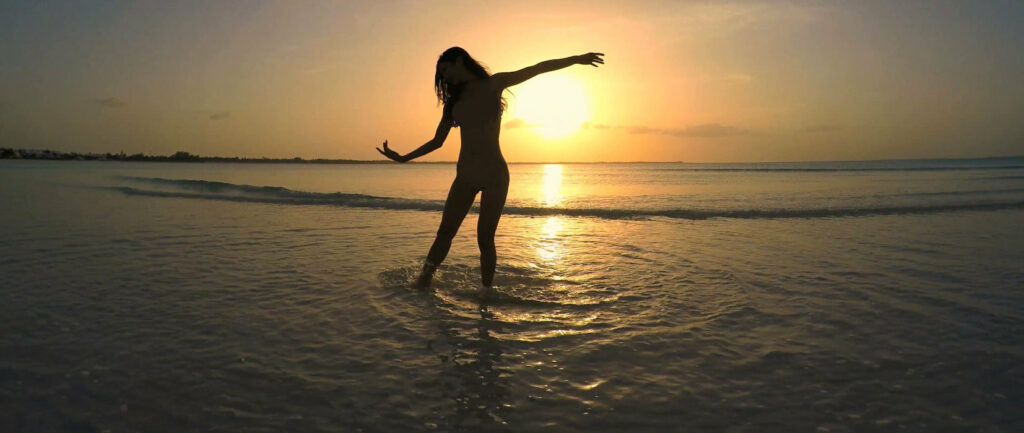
point(693, 81)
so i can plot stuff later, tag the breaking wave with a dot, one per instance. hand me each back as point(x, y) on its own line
point(837, 169)
point(222, 191)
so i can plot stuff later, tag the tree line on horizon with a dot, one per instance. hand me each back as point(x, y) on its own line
point(179, 156)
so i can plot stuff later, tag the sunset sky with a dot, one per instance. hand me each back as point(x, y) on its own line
point(684, 81)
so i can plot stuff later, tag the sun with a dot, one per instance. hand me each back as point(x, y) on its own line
point(554, 105)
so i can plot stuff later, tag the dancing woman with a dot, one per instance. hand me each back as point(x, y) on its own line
point(473, 101)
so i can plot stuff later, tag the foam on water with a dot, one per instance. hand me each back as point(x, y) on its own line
point(963, 200)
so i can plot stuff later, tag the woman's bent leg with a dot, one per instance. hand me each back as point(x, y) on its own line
point(460, 199)
point(492, 201)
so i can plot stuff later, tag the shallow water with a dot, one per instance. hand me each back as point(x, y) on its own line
point(881, 296)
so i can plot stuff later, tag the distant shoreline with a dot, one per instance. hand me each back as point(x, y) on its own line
point(51, 155)
point(181, 156)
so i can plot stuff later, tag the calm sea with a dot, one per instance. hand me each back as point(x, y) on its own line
point(829, 297)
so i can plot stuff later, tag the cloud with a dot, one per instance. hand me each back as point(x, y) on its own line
point(823, 127)
point(220, 116)
point(517, 123)
point(736, 79)
point(724, 18)
point(109, 102)
point(707, 130)
point(514, 123)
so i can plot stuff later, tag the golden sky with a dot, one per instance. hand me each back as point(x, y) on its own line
point(684, 81)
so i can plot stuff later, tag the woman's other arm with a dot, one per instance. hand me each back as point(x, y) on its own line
point(440, 135)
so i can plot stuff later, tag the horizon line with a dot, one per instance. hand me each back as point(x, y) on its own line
point(299, 160)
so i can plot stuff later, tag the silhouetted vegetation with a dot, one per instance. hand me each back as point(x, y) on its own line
point(179, 156)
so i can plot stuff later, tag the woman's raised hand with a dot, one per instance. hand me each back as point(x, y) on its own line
point(390, 153)
point(592, 59)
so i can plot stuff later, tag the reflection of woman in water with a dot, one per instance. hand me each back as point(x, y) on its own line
point(472, 100)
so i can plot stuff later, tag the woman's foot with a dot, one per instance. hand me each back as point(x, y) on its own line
point(426, 275)
point(485, 292)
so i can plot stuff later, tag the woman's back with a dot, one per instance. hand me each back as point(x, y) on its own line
point(478, 114)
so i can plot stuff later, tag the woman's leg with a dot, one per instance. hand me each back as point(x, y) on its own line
point(492, 201)
point(460, 199)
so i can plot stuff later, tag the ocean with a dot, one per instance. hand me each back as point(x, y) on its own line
point(660, 297)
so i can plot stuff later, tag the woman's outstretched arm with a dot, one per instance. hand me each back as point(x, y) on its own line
point(508, 79)
point(441, 134)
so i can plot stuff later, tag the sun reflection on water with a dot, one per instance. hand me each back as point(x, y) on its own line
point(552, 227)
point(549, 245)
point(551, 185)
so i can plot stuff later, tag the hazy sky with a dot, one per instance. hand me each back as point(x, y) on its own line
point(690, 81)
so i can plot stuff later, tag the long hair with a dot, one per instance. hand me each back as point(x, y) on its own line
point(447, 93)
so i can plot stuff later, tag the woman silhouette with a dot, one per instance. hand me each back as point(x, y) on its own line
point(473, 100)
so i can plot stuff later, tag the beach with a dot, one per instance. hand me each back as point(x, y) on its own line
point(831, 296)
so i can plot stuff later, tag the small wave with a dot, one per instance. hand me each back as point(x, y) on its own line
point(337, 199)
point(701, 214)
point(964, 192)
point(836, 169)
point(207, 190)
point(224, 187)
